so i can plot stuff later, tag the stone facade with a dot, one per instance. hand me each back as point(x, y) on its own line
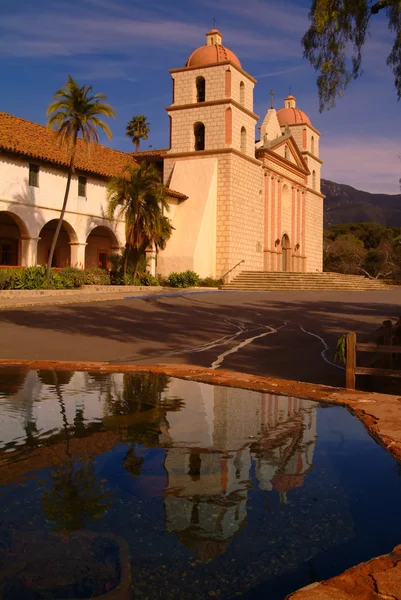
point(235, 204)
point(269, 209)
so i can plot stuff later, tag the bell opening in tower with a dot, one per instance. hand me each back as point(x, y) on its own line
point(199, 133)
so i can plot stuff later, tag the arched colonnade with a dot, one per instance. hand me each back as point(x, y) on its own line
point(22, 246)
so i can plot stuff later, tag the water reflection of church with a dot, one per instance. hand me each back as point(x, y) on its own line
point(221, 444)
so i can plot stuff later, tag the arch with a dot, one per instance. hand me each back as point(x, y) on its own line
point(12, 230)
point(242, 92)
point(228, 83)
point(313, 180)
point(312, 144)
point(200, 89)
point(243, 139)
point(285, 198)
point(286, 253)
point(199, 135)
point(304, 140)
point(62, 253)
point(100, 244)
point(228, 126)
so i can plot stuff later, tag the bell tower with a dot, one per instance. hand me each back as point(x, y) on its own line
point(212, 106)
point(212, 161)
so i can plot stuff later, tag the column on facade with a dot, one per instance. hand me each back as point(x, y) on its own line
point(303, 245)
point(299, 219)
point(273, 224)
point(266, 256)
point(29, 251)
point(293, 222)
point(77, 253)
point(279, 232)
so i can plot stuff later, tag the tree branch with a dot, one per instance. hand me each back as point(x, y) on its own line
point(380, 4)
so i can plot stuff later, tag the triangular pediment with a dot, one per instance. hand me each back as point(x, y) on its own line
point(287, 149)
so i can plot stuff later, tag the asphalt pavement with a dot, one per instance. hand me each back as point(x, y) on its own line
point(290, 335)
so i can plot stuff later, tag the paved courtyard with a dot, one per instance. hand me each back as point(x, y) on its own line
point(288, 335)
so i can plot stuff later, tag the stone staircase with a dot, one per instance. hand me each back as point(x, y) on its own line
point(279, 281)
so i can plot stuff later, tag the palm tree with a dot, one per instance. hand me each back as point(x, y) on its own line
point(75, 112)
point(137, 129)
point(139, 197)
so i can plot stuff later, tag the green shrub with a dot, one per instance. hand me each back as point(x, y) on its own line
point(183, 280)
point(72, 277)
point(6, 278)
point(210, 282)
point(162, 280)
point(97, 276)
point(148, 279)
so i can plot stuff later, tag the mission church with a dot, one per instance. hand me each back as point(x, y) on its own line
point(232, 200)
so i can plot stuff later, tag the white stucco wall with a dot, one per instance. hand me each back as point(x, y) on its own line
point(36, 206)
point(193, 243)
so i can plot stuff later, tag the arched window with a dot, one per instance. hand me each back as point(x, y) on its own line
point(304, 145)
point(242, 92)
point(200, 89)
point(312, 144)
point(313, 180)
point(199, 134)
point(243, 139)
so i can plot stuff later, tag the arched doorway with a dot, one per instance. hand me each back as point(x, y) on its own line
point(100, 244)
point(286, 253)
point(62, 253)
point(11, 229)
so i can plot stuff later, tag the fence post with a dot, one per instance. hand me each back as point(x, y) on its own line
point(350, 361)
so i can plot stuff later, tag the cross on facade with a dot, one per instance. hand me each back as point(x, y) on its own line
point(214, 22)
point(271, 99)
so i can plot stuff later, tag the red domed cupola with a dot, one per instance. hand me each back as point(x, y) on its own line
point(213, 52)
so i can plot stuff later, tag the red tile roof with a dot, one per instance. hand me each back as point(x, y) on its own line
point(156, 152)
point(35, 141)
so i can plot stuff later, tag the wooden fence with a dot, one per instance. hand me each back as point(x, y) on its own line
point(384, 345)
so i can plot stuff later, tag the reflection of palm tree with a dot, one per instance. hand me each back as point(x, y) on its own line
point(140, 392)
point(133, 462)
point(75, 496)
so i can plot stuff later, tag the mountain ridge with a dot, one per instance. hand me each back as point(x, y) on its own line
point(346, 204)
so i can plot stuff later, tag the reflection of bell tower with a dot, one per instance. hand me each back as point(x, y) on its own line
point(206, 498)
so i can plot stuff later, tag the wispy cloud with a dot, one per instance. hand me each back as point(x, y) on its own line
point(282, 72)
point(286, 16)
point(34, 35)
point(367, 163)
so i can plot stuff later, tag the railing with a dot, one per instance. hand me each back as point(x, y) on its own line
point(240, 263)
point(352, 347)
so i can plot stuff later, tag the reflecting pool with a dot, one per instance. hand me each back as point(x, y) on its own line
point(142, 486)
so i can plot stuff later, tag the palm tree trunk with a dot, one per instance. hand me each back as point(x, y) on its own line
point(125, 263)
point(61, 218)
point(136, 145)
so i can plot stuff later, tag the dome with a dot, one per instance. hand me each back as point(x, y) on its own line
point(290, 114)
point(212, 52)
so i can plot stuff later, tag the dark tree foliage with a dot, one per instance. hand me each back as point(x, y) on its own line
point(334, 42)
point(366, 249)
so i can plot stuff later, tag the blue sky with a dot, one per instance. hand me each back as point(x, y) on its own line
point(125, 48)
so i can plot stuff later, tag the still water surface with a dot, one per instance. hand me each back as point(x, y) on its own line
point(159, 488)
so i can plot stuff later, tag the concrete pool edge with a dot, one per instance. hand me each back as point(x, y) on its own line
point(380, 414)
